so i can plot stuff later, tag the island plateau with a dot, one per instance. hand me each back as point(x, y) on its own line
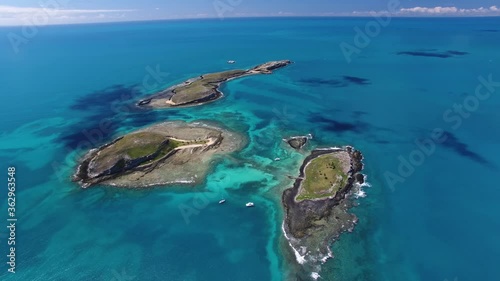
point(204, 88)
point(316, 207)
point(166, 153)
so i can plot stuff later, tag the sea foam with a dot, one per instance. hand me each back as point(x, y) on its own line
point(359, 191)
point(301, 259)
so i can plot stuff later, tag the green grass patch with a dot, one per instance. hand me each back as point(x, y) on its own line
point(203, 87)
point(324, 177)
point(134, 145)
point(140, 145)
point(173, 144)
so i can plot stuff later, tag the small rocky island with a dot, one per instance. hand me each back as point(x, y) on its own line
point(204, 88)
point(298, 142)
point(316, 207)
point(166, 153)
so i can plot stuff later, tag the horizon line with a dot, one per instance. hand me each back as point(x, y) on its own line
point(259, 17)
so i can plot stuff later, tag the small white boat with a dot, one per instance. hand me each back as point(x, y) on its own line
point(231, 61)
point(222, 201)
point(249, 204)
point(277, 159)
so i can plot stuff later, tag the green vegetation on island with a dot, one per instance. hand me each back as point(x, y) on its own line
point(204, 88)
point(138, 145)
point(324, 177)
point(316, 207)
point(162, 154)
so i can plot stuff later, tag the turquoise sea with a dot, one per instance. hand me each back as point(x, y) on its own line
point(70, 88)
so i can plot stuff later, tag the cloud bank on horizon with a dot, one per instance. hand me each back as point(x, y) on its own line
point(14, 15)
point(438, 11)
point(491, 11)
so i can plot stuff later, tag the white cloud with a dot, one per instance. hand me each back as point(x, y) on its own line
point(435, 11)
point(12, 10)
point(450, 11)
point(12, 15)
point(425, 10)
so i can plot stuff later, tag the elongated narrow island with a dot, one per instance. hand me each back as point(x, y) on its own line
point(167, 153)
point(316, 207)
point(204, 88)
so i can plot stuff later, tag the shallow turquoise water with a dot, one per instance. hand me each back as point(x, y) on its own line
point(439, 224)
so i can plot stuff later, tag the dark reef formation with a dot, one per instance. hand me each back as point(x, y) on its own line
point(298, 142)
point(311, 225)
point(302, 215)
point(433, 53)
point(341, 82)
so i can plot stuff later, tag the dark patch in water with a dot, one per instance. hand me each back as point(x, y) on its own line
point(425, 54)
point(489, 30)
point(106, 110)
point(85, 139)
point(106, 97)
point(457, 53)
point(357, 80)
point(140, 119)
point(358, 114)
point(340, 82)
point(453, 143)
point(435, 54)
point(261, 125)
point(319, 81)
point(263, 114)
point(338, 126)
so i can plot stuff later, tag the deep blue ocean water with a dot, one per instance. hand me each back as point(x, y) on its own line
point(440, 222)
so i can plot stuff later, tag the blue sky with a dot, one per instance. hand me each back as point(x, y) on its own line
point(18, 12)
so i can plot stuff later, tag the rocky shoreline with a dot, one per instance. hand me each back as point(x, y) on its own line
point(311, 225)
point(162, 154)
point(298, 142)
point(205, 88)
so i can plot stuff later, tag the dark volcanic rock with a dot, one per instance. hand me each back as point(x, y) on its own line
point(161, 154)
point(298, 142)
point(313, 224)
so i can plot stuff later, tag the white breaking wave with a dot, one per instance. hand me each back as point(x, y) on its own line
point(315, 275)
point(301, 259)
point(183, 181)
point(160, 183)
point(325, 258)
point(365, 182)
point(360, 193)
point(330, 148)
